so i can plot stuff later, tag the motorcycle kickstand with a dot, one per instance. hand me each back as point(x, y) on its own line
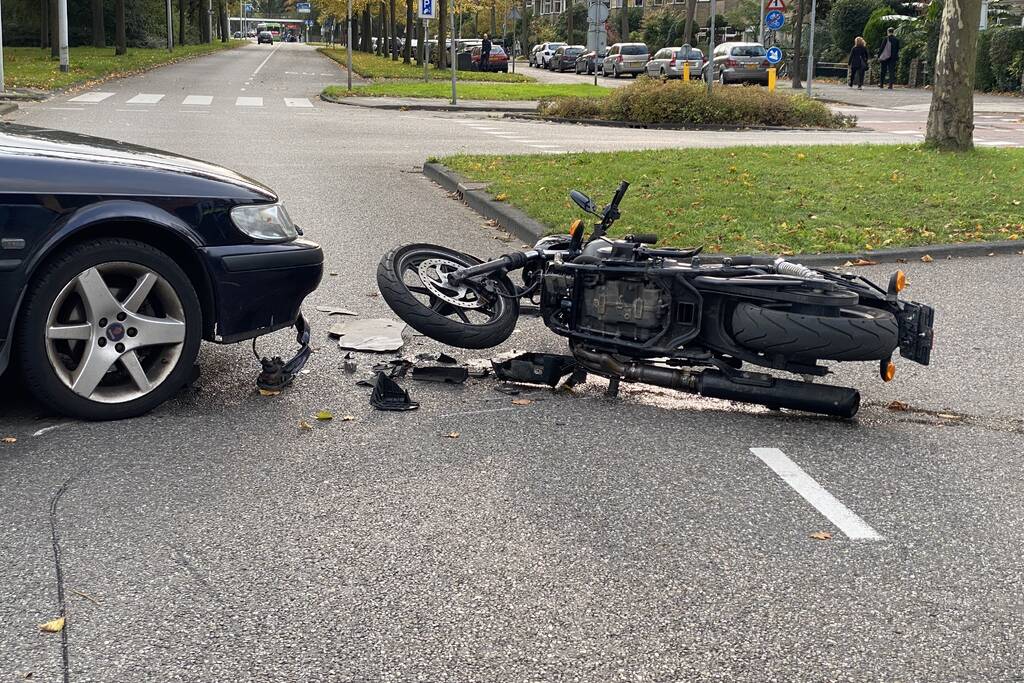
point(613, 388)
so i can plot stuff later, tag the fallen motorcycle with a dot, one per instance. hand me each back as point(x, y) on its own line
point(668, 317)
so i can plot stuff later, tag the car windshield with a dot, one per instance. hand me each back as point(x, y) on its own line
point(573, 51)
point(634, 49)
point(692, 54)
point(554, 46)
point(748, 51)
point(496, 50)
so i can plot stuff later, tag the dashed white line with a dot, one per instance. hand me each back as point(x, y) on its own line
point(249, 102)
point(92, 97)
point(297, 102)
point(543, 146)
point(822, 501)
point(145, 98)
point(197, 100)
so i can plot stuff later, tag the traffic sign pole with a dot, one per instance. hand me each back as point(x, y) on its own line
point(711, 47)
point(760, 35)
point(810, 48)
point(451, 13)
point(348, 44)
point(423, 46)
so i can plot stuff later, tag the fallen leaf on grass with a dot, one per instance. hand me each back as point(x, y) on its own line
point(269, 392)
point(451, 435)
point(926, 259)
point(861, 262)
point(54, 626)
point(305, 426)
point(898, 405)
point(501, 196)
point(9, 439)
point(521, 401)
point(822, 535)
point(324, 415)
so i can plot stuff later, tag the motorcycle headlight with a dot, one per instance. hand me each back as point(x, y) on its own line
point(265, 222)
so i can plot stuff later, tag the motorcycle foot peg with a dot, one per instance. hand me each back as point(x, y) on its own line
point(613, 388)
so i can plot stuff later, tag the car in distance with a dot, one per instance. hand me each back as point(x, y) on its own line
point(116, 261)
point(497, 60)
point(564, 57)
point(590, 62)
point(669, 61)
point(543, 56)
point(739, 63)
point(625, 58)
point(265, 37)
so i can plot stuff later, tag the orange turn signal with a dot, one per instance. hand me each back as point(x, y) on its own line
point(901, 280)
point(888, 371)
point(576, 227)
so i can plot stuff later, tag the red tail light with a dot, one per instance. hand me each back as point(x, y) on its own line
point(731, 63)
point(766, 64)
point(618, 58)
point(672, 63)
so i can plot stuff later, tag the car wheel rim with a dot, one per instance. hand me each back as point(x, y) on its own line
point(115, 332)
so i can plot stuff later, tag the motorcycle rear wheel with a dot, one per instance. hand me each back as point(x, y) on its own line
point(411, 280)
point(856, 333)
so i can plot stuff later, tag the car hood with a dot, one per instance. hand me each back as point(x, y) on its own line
point(16, 139)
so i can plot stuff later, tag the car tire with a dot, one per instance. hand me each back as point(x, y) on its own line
point(615, 72)
point(721, 78)
point(57, 292)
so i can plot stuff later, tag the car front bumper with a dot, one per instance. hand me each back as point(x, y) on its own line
point(259, 288)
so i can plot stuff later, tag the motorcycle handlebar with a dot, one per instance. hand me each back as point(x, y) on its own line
point(502, 263)
point(619, 194)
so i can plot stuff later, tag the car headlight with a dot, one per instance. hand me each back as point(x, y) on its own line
point(265, 222)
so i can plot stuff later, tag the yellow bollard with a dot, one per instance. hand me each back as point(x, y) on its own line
point(771, 79)
point(686, 71)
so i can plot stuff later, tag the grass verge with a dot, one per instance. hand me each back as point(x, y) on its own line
point(371, 66)
point(30, 67)
point(775, 199)
point(653, 101)
point(471, 91)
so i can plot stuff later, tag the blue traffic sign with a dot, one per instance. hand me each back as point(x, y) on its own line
point(774, 55)
point(248, 8)
point(774, 20)
point(427, 9)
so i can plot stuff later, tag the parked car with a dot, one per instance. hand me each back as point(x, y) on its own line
point(625, 58)
point(236, 34)
point(265, 37)
point(543, 56)
point(117, 260)
point(669, 62)
point(251, 34)
point(497, 60)
point(531, 58)
point(564, 57)
point(589, 62)
point(739, 63)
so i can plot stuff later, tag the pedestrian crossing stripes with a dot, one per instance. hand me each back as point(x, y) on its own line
point(189, 100)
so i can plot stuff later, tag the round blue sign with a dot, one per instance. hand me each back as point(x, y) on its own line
point(774, 55)
point(774, 20)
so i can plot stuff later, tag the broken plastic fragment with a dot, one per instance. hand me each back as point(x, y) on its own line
point(387, 395)
point(396, 368)
point(375, 334)
point(335, 310)
point(445, 358)
point(440, 373)
point(534, 368)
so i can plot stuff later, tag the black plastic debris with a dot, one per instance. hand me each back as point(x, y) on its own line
point(509, 389)
point(275, 373)
point(395, 368)
point(387, 395)
point(440, 373)
point(535, 368)
point(446, 359)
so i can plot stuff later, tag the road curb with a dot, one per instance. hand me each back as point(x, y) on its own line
point(7, 107)
point(529, 230)
point(426, 106)
point(670, 126)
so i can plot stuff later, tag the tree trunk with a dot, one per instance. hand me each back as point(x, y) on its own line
point(44, 24)
point(409, 19)
point(442, 24)
point(798, 26)
point(120, 41)
point(365, 32)
point(181, 22)
point(99, 36)
point(691, 12)
point(382, 30)
point(625, 22)
point(225, 24)
point(951, 116)
point(568, 22)
point(393, 45)
point(54, 31)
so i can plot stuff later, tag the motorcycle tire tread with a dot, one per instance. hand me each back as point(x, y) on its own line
point(871, 334)
point(435, 325)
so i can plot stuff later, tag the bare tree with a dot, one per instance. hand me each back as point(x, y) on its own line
point(120, 40)
point(798, 30)
point(951, 116)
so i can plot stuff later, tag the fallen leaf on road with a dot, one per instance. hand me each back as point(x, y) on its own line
point(822, 535)
point(926, 259)
point(348, 418)
point(452, 435)
point(324, 415)
point(898, 405)
point(55, 626)
point(9, 439)
point(269, 392)
point(305, 426)
point(947, 416)
point(861, 262)
point(521, 401)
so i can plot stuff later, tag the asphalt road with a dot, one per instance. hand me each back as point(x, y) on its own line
point(576, 537)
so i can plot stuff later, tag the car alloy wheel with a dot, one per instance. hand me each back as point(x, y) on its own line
point(111, 330)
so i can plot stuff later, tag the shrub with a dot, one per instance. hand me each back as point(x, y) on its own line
point(983, 78)
point(874, 29)
point(847, 21)
point(1005, 43)
point(652, 101)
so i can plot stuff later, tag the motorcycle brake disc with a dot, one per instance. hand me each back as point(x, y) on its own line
point(433, 273)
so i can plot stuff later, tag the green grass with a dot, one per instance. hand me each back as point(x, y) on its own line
point(371, 66)
point(471, 91)
point(775, 199)
point(30, 67)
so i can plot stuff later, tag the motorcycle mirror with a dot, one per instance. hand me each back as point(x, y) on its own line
point(583, 201)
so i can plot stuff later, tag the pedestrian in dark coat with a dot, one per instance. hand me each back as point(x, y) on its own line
point(858, 62)
point(485, 52)
point(888, 58)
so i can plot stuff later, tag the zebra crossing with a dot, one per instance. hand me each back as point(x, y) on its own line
point(200, 101)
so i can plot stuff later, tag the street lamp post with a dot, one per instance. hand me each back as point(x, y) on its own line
point(451, 13)
point(348, 44)
point(62, 21)
point(170, 29)
point(810, 48)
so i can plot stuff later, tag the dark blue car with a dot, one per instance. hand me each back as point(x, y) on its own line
point(117, 260)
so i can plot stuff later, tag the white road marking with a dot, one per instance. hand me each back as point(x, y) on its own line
point(995, 143)
point(49, 429)
point(543, 146)
point(822, 501)
point(193, 111)
point(263, 63)
point(92, 97)
point(297, 102)
point(249, 102)
point(144, 98)
point(66, 108)
point(904, 132)
point(197, 100)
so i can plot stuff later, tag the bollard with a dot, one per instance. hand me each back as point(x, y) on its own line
point(771, 79)
point(686, 71)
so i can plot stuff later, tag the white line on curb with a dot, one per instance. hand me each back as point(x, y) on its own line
point(822, 501)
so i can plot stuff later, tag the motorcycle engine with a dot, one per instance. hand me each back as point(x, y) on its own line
point(627, 308)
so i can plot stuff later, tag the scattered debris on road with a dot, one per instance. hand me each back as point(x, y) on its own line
point(53, 626)
point(861, 262)
point(521, 401)
point(9, 439)
point(926, 259)
point(822, 535)
point(387, 395)
point(898, 405)
point(305, 426)
point(452, 435)
point(440, 373)
point(535, 368)
point(324, 415)
point(335, 310)
point(374, 334)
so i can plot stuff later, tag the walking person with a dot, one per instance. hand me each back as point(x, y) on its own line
point(485, 52)
point(888, 58)
point(858, 62)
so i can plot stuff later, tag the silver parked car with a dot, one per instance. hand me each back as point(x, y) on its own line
point(739, 63)
point(669, 62)
point(544, 54)
point(625, 58)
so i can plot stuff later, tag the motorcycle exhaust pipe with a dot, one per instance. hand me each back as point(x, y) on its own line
point(767, 391)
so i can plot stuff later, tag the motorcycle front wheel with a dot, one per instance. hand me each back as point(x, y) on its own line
point(413, 281)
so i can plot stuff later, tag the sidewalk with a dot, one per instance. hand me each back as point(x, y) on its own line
point(905, 99)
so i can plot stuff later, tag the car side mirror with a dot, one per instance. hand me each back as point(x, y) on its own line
point(583, 201)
